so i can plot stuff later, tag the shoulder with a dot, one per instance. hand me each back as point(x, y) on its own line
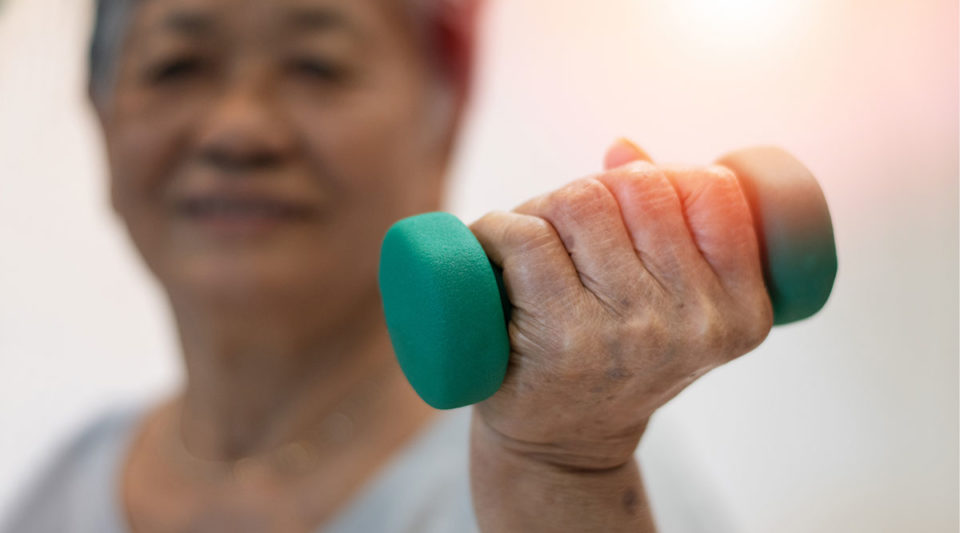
point(76, 490)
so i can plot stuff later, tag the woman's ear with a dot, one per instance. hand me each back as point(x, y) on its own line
point(456, 25)
point(458, 30)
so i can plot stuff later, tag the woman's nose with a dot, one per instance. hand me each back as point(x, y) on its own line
point(244, 131)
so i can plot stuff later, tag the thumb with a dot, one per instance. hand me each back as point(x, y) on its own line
point(623, 151)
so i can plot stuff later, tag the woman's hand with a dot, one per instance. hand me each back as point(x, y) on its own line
point(626, 287)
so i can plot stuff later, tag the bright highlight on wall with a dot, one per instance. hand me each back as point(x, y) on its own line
point(728, 25)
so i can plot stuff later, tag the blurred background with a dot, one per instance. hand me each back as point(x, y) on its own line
point(846, 422)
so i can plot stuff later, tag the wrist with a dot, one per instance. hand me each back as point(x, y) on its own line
point(580, 454)
point(514, 490)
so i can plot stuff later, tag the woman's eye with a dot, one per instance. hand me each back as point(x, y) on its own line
point(175, 69)
point(318, 69)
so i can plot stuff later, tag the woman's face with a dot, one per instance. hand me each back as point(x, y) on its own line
point(259, 150)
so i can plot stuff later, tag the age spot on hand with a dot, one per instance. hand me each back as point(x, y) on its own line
point(629, 501)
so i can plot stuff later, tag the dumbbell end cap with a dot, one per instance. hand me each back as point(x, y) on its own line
point(443, 310)
point(794, 229)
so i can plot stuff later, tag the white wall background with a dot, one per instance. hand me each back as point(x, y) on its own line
point(847, 422)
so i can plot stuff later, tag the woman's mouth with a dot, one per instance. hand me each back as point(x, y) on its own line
point(242, 215)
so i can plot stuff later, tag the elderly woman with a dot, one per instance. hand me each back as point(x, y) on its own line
point(258, 152)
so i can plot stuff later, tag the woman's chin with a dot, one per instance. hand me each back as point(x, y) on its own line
point(240, 287)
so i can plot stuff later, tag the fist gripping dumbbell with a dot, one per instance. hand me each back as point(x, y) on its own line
point(447, 311)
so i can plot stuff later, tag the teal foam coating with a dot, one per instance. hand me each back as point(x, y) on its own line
point(444, 310)
point(799, 274)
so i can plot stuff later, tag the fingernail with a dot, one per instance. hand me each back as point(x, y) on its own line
point(623, 151)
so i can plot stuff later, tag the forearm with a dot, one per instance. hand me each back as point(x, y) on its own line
point(515, 492)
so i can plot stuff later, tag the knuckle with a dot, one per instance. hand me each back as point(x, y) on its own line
point(641, 174)
point(585, 197)
point(713, 334)
point(651, 330)
point(716, 205)
point(742, 331)
point(529, 232)
point(717, 336)
point(646, 183)
point(721, 182)
point(488, 221)
point(759, 323)
point(721, 175)
point(632, 172)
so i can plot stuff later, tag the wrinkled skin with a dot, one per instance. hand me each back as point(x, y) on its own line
point(626, 287)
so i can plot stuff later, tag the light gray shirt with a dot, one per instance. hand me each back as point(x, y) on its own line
point(424, 489)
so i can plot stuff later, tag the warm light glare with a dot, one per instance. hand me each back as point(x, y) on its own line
point(738, 24)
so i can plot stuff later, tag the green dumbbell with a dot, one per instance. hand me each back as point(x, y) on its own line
point(447, 311)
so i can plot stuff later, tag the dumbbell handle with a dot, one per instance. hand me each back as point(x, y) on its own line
point(446, 308)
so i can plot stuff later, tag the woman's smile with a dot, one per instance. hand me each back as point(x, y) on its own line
point(233, 214)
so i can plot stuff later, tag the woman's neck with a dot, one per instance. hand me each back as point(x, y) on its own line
point(266, 420)
point(256, 385)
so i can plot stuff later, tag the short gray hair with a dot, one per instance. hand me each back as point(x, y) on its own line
point(110, 21)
